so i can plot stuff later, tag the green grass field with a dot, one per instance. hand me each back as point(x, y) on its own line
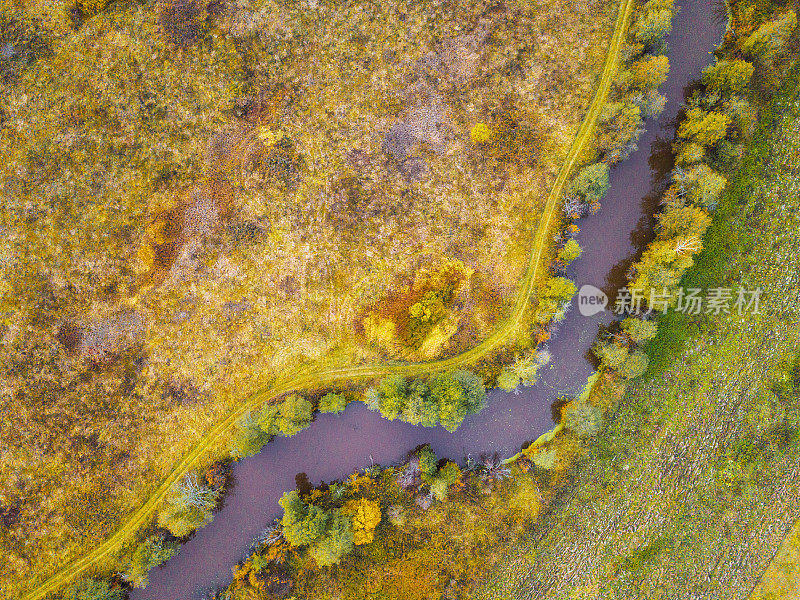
point(693, 485)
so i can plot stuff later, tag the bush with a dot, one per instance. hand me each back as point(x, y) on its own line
point(93, 589)
point(287, 418)
point(248, 438)
point(570, 251)
point(151, 553)
point(188, 506)
point(639, 330)
point(333, 403)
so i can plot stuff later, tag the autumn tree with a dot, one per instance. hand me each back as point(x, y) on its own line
point(690, 221)
point(703, 127)
point(702, 185)
point(570, 252)
point(639, 330)
point(365, 514)
point(649, 72)
point(150, 553)
point(188, 506)
point(554, 296)
point(654, 22)
point(769, 40)
point(728, 76)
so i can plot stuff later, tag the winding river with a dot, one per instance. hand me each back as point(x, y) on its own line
point(335, 446)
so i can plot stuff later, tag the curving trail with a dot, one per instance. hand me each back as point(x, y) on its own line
point(323, 378)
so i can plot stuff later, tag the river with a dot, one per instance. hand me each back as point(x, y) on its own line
point(335, 446)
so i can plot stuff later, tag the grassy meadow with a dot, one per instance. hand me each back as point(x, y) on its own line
point(200, 197)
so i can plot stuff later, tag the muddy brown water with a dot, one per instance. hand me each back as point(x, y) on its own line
point(335, 446)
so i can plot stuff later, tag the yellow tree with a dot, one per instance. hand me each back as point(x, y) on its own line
point(366, 514)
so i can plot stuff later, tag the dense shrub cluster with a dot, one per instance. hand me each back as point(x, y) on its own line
point(445, 399)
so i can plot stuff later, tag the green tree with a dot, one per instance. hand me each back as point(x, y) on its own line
point(303, 523)
point(248, 438)
point(473, 389)
point(570, 251)
point(93, 589)
point(728, 76)
point(705, 128)
point(150, 553)
point(420, 408)
point(451, 399)
point(769, 40)
point(287, 418)
point(333, 403)
point(388, 397)
point(591, 182)
point(336, 541)
point(444, 478)
point(188, 506)
point(639, 330)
